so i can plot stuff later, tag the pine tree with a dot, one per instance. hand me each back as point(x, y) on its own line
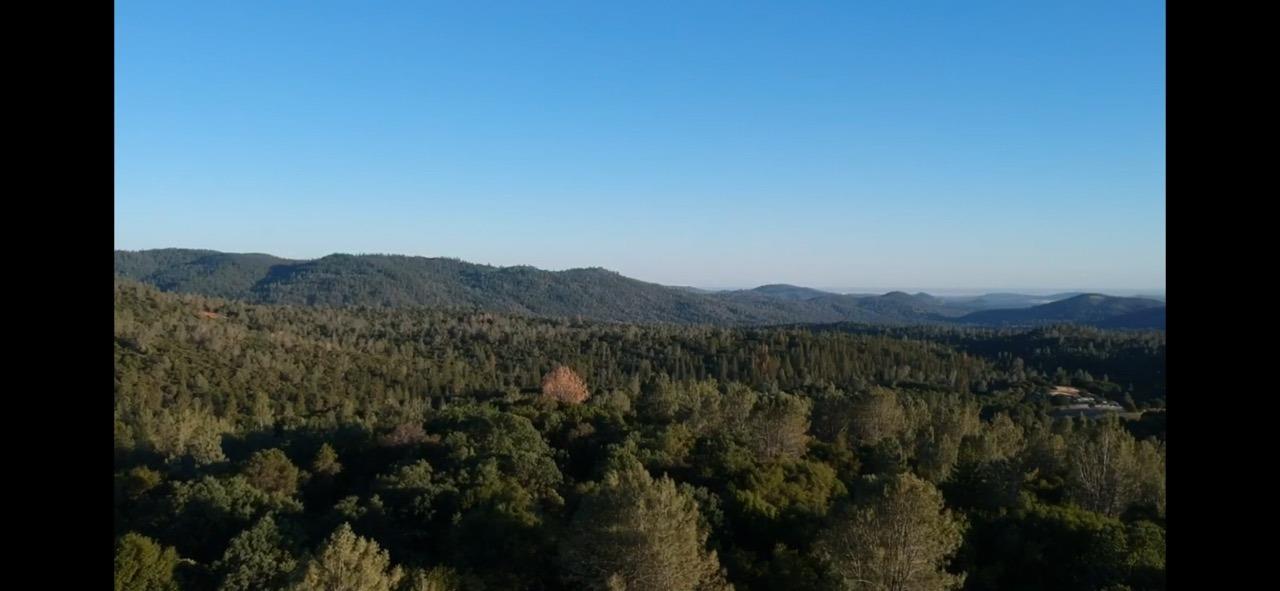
point(256, 559)
point(326, 462)
point(638, 533)
point(350, 563)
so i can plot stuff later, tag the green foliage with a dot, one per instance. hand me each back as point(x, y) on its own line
point(389, 280)
point(436, 579)
point(258, 558)
point(1108, 471)
point(797, 488)
point(348, 562)
point(638, 533)
point(326, 462)
point(143, 565)
point(204, 514)
point(1146, 555)
point(272, 472)
point(998, 439)
point(779, 427)
point(421, 429)
point(1085, 308)
point(136, 482)
point(987, 486)
point(877, 415)
point(189, 433)
point(482, 437)
point(941, 426)
point(899, 539)
point(1065, 548)
point(782, 502)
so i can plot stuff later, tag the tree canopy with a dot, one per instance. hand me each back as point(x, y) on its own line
point(308, 447)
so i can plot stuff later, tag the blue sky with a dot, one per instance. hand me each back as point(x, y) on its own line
point(837, 144)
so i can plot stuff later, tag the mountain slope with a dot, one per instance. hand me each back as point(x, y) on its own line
point(1094, 309)
point(206, 272)
point(594, 293)
point(393, 281)
point(788, 292)
point(998, 301)
point(1148, 318)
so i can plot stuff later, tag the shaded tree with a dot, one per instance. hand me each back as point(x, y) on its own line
point(1063, 548)
point(137, 481)
point(406, 435)
point(1107, 472)
point(941, 426)
point(638, 533)
point(900, 540)
point(436, 579)
point(1149, 468)
point(326, 462)
point(185, 433)
point(257, 559)
point(271, 472)
point(877, 415)
point(203, 515)
point(779, 427)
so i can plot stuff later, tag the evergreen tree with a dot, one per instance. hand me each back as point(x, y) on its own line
point(638, 533)
point(326, 462)
point(350, 563)
point(257, 559)
point(271, 472)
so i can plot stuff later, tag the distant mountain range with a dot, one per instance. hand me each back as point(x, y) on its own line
point(1094, 309)
point(594, 293)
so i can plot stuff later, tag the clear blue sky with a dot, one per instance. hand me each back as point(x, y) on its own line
point(947, 144)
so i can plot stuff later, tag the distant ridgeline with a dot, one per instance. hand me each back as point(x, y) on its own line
point(594, 293)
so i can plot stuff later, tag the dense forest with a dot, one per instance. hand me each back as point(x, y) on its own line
point(593, 294)
point(308, 447)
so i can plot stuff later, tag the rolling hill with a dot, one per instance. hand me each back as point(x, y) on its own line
point(590, 293)
point(1092, 308)
point(1000, 301)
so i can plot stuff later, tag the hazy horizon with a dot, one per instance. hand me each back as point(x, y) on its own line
point(980, 143)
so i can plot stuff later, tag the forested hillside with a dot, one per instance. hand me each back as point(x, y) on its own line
point(266, 446)
point(1089, 308)
point(594, 294)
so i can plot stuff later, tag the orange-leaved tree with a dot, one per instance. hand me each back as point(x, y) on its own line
point(564, 385)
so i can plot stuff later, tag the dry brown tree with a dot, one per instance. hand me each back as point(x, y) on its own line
point(564, 385)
